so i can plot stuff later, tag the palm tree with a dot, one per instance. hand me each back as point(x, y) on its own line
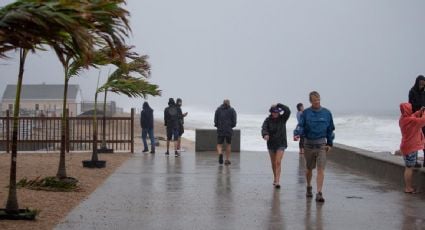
point(138, 65)
point(107, 22)
point(122, 82)
point(25, 26)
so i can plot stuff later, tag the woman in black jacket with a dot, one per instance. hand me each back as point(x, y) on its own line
point(274, 132)
point(417, 99)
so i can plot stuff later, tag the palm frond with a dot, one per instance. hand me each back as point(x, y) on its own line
point(131, 87)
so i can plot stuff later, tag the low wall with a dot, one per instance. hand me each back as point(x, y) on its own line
point(206, 140)
point(384, 166)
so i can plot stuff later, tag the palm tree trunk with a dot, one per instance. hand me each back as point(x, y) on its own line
point(94, 156)
point(12, 200)
point(104, 122)
point(62, 168)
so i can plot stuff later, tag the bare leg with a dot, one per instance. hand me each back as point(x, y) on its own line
point(272, 161)
point(308, 176)
point(219, 149)
point(320, 178)
point(179, 143)
point(278, 165)
point(228, 150)
point(408, 179)
point(168, 145)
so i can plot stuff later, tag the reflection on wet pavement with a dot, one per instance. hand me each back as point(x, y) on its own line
point(195, 192)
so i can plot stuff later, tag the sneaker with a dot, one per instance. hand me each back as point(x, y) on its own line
point(227, 162)
point(417, 165)
point(309, 192)
point(167, 153)
point(319, 197)
point(145, 150)
point(220, 158)
point(277, 186)
point(152, 151)
point(177, 154)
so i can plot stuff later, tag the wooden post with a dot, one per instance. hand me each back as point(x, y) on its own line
point(67, 131)
point(132, 130)
point(7, 131)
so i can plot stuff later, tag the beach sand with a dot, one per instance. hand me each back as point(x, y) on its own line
point(54, 206)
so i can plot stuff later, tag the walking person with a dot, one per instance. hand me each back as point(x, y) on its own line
point(274, 132)
point(412, 140)
point(317, 127)
point(146, 122)
point(181, 124)
point(225, 121)
point(300, 109)
point(172, 115)
point(417, 99)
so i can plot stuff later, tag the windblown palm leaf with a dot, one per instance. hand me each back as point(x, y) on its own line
point(29, 23)
point(121, 81)
point(131, 87)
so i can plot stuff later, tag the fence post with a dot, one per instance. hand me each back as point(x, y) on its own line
point(7, 131)
point(67, 131)
point(132, 130)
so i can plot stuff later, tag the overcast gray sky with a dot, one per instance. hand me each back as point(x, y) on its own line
point(361, 55)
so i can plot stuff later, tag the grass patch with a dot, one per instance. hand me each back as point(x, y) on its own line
point(54, 184)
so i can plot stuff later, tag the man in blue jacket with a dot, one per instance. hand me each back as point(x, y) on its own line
point(317, 128)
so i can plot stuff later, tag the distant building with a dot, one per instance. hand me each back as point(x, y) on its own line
point(111, 107)
point(42, 99)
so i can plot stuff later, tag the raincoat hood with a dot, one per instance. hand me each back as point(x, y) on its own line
point(146, 106)
point(416, 86)
point(406, 109)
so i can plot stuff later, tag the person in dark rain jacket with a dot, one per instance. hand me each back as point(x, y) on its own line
point(274, 132)
point(225, 121)
point(146, 122)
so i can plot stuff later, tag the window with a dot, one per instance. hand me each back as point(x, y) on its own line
point(37, 106)
point(10, 107)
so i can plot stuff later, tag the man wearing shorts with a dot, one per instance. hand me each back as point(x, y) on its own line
point(172, 116)
point(317, 128)
point(412, 140)
point(225, 121)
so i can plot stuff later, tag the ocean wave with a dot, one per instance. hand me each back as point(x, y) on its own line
point(373, 133)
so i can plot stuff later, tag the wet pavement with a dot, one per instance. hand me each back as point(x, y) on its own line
point(195, 192)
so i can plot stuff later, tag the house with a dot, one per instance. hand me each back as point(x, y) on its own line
point(42, 99)
point(111, 107)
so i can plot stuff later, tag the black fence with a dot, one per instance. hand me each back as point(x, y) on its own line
point(44, 133)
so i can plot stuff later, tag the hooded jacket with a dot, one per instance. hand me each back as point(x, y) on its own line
point(146, 117)
point(416, 95)
point(172, 115)
point(276, 129)
point(225, 120)
point(412, 138)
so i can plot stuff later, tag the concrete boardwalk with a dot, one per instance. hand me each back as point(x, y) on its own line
point(194, 192)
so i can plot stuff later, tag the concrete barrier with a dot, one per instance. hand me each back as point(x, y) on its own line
point(383, 166)
point(206, 140)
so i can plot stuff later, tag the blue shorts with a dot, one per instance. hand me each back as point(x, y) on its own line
point(410, 159)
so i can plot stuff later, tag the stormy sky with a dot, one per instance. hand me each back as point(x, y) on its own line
point(360, 55)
